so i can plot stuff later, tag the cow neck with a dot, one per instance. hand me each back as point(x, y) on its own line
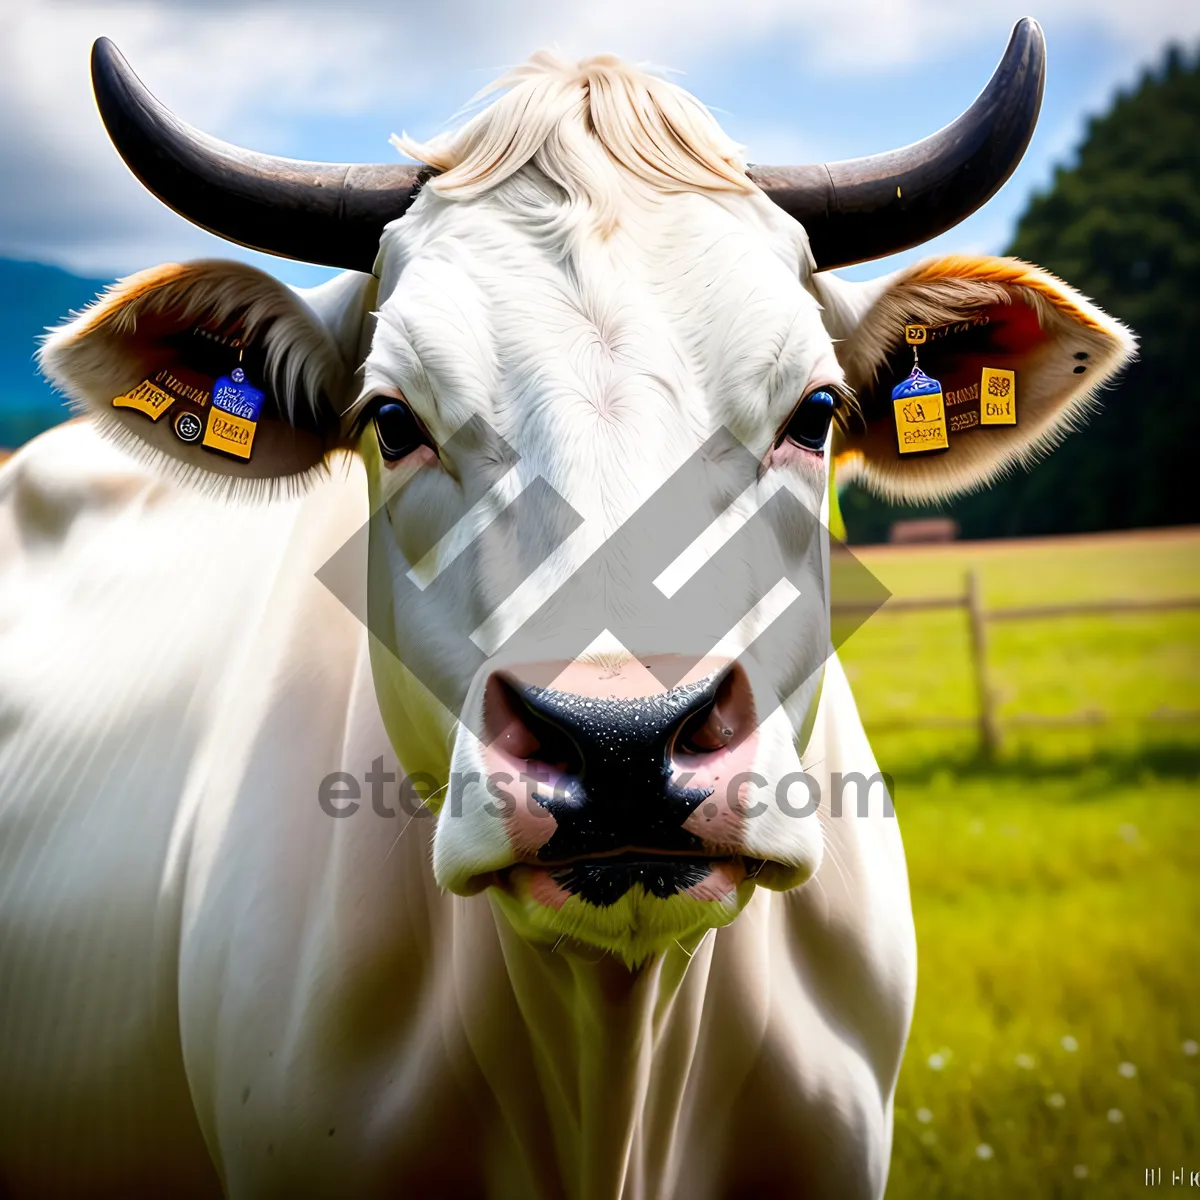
point(612, 1049)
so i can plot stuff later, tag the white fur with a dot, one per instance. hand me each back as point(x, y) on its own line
point(215, 985)
point(214, 988)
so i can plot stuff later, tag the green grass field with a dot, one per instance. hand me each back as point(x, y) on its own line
point(1056, 890)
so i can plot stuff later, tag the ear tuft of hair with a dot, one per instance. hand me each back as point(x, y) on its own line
point(145, 323)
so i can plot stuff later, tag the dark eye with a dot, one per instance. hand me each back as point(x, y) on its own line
point(810, 422)
point(398, 431)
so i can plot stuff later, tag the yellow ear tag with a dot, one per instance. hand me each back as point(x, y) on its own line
point(920, 414)
point(234, 415)
point(147, 397)
point(998, 397)
point(154, 396)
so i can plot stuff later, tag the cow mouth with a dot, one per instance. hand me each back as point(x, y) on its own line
point(602, 879)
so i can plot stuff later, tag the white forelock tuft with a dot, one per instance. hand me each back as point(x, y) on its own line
point(575, 122)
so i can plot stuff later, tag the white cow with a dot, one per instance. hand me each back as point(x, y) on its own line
point(235, 955)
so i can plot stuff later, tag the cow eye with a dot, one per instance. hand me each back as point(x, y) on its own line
point(809, 424)
point(398, 430)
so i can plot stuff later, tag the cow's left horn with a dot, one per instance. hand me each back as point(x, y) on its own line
point(330, 213)
point(864, 208)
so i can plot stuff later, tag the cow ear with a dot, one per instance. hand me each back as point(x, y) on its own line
point(1019, 356)
point(215, 371)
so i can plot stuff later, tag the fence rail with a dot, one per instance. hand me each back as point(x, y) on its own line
point(986, 720)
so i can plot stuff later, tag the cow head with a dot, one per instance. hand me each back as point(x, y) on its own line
point(597, 374)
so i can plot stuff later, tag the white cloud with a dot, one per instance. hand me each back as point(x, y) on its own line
point(267, 74)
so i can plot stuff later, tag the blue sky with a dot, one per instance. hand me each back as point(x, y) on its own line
point(794, 80)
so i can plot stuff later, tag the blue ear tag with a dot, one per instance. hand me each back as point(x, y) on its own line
point(234, 414)
point(920, 413)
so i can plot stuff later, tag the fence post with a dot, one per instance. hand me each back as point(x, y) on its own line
point(989, 732)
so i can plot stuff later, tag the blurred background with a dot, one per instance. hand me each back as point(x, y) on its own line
point(1034, 685)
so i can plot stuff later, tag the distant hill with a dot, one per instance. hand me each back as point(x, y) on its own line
point(32, 296)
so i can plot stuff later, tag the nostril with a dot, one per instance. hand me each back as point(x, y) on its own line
point(727, 718)
point(523, 733)
point(502, 721)
point(705, 733)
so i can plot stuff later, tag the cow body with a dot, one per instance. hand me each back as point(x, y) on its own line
point(209, 982)
point(235, 955)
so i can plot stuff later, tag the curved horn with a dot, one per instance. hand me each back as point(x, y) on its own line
point(864, 208)
point(329, 213)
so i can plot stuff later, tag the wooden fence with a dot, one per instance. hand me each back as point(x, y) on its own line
point(988, 723)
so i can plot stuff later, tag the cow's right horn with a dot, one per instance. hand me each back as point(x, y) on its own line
point(329, 213)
